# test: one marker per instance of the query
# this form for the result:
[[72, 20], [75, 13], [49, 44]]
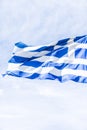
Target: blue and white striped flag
[[63, 60]]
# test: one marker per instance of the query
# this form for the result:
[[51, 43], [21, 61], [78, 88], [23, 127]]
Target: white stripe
[[31, 54], [51, 70], [84, 46], [71, 48], [17, 49], [61, 60], [74, 72], [38, 70]]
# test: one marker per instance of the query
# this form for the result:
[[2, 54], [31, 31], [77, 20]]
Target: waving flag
[[63, 60]]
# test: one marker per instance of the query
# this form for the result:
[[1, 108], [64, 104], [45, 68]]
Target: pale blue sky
[[33, 104]]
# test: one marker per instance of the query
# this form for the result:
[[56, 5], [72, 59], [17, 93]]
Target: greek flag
[[60, 60]]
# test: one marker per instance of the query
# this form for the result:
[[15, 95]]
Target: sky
[[40, 104]]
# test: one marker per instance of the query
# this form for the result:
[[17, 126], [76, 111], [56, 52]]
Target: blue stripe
[[81, 53], [49, 48], [33, 76], [32, 63], [20, 45], [61, 66], [35, 63], [63, 42], [75, 78], [57, 53], [81, 39], [18, 59], [64, 78], [62, 51], [44, 48]]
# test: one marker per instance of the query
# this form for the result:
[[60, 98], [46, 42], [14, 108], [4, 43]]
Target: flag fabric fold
[[60, 60]]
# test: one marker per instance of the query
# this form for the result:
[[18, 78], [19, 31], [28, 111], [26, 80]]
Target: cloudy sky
[[40, 105]]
